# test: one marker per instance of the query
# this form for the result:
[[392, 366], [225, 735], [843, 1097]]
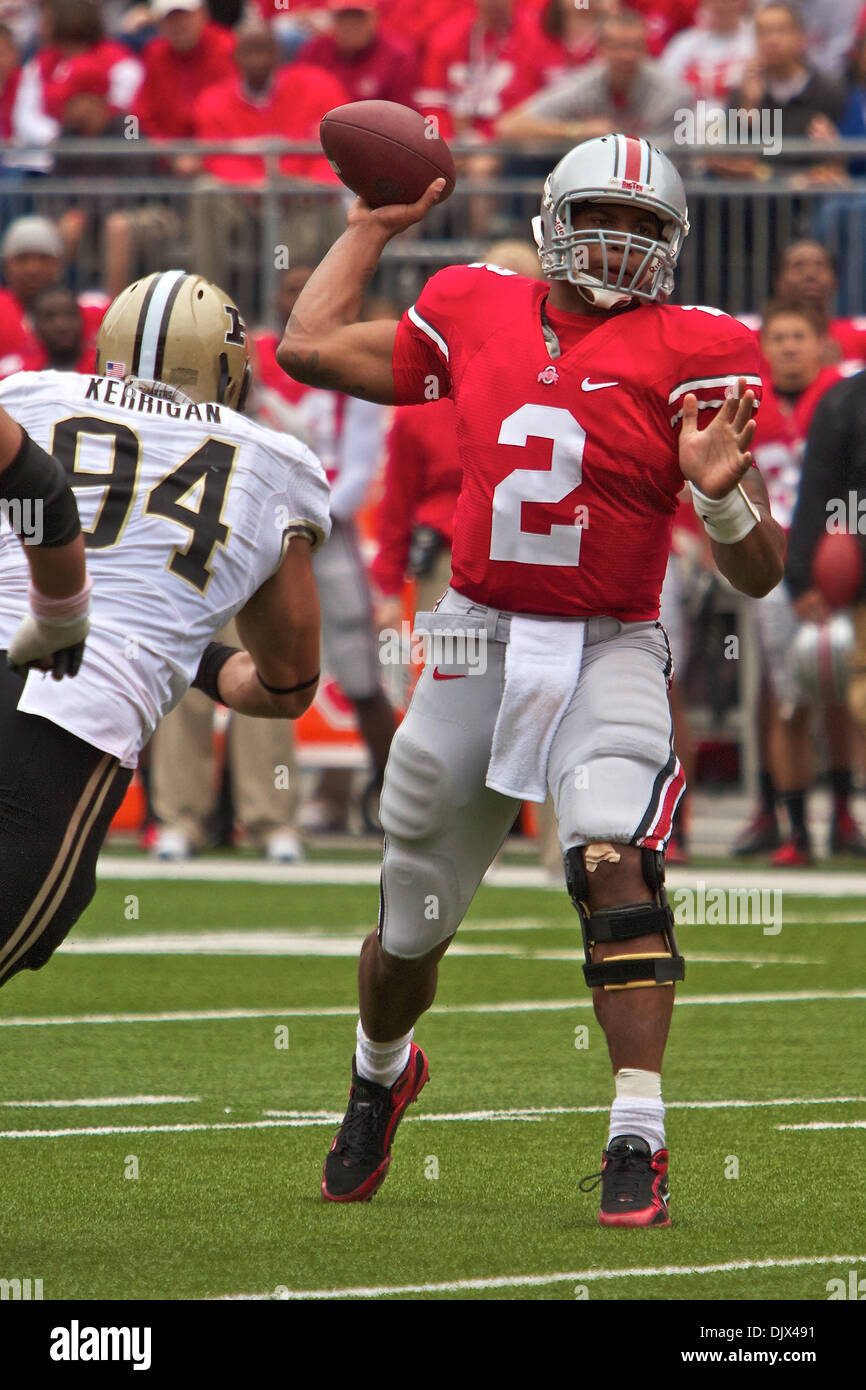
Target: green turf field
[[203, 1181]]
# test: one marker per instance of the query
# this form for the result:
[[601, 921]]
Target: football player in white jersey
[[191, 515]]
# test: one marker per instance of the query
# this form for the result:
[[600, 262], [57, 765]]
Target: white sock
[[381, 1062], [638, 1107]]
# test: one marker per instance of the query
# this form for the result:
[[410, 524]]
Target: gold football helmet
[[179, 329]]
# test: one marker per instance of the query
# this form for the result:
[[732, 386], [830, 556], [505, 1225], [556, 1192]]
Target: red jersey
[[781, 438], [292, 109], [470, 76], [320, 411], [8, 93], [570, 467], [423, 473], [38, 361], [664, 18], [173, 80], [108, 68], [417, 22], [386, 70]]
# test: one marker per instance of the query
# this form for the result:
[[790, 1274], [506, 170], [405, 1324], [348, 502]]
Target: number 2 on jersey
[[207, 472], [551, 485]]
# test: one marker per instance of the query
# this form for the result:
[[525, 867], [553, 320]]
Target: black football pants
[[58, 796]]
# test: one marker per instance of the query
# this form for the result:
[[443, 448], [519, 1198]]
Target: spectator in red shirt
[[573, 32], [664, 18], [32, 256], [58, 326], [265, 98], [370, 64], [480, 65], [79, 43], [416, 23], [10, 75], [74, 36], [189, 55]]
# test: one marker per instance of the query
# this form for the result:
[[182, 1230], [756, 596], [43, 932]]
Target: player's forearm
[[40, 508], [331, 300], [241, 689], [521, 125], [756, 564], [57, 571]]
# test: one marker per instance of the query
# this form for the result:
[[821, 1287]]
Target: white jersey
[[186, 511]]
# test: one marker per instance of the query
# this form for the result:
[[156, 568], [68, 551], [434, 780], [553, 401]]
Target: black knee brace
[[624, 922]]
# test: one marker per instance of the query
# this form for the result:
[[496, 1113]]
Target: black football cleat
[[634, 1184], [760, 836], [845, 836], [360, 1155]]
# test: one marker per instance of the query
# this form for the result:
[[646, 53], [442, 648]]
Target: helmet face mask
[[180, 331], [595, 172]]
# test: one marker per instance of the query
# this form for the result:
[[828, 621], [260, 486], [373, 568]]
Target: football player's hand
[[716, 458], [398, 216], [45, 646]]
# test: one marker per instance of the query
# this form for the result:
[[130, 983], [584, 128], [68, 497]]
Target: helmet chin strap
[[603, 299]]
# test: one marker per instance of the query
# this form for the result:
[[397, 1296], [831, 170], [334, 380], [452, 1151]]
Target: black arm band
[[288, 689], [36, 478], [214, 658]]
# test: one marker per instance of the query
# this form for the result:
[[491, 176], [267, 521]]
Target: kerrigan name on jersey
[[111, 391]]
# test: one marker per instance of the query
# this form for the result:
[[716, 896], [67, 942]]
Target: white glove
[[51, 637]]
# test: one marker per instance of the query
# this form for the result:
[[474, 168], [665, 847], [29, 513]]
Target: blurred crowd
[[487, 69], [507, 79]]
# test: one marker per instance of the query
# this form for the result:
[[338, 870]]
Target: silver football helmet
[[612, 169], [822, 660]]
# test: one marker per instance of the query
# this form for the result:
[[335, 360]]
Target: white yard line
[[802, 882], [543, 1111], [341, 1011], [99, 1101], [276, 941], [306, 1119], [579, 1276], [826, 1124]]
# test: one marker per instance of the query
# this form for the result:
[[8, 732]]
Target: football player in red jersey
[[577, 406]]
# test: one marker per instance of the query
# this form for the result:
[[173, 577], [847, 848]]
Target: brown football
[[385, 152]]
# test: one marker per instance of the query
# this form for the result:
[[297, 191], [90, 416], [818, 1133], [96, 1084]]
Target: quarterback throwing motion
[[582, 405]]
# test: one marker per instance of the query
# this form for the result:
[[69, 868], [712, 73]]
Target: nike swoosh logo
[[587, 385], [438, 676]]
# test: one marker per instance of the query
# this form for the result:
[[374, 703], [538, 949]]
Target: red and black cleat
[[634, 1184], [795, 853], [845, 836], [759, 837], [360, 1155]]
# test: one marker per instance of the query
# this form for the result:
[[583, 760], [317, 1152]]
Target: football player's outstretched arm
[[40, 507], [324, 344], [731, 499], [280, 628]]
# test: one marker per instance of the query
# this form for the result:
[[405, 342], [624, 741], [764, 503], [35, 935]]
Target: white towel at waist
[[542, 664]]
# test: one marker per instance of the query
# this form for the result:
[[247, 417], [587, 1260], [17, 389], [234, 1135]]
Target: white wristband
[[726, 519]]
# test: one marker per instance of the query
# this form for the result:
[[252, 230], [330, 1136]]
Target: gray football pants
[[612, 771]]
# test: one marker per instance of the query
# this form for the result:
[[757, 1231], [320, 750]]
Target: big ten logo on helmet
[[236, 332]]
